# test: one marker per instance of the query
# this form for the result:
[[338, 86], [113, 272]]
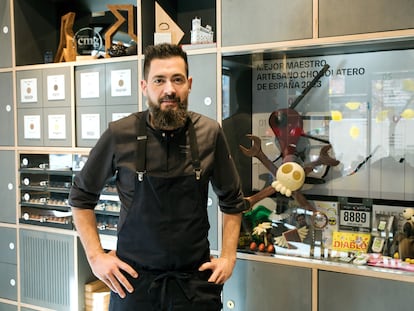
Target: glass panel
[[345, 117], [362, 104]]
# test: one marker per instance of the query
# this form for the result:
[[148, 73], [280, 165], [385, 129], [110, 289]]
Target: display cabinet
[[360, 106], [32, 48], [263, 76], [108, 209], [251, 68], [345, 119], [45, 181]]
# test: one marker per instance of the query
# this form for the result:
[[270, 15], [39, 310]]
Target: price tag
[[355, 217]]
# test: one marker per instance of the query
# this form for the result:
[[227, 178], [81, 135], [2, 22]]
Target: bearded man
[[163, 160]]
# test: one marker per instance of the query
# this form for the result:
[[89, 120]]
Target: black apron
[[164, 236]]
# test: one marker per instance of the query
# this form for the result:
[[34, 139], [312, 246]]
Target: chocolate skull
[[290, 176]]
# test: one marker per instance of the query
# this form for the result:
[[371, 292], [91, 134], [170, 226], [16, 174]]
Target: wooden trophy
[[115, 8], [66, 51]]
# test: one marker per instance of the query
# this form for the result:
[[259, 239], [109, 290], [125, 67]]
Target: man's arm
[[223, 266], [106, 266], [231, 234]]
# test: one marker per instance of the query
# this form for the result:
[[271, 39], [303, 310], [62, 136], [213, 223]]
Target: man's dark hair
[[162, 51]]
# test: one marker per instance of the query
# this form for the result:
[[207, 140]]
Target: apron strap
[[142, 137], [140, 164], [194, 150]]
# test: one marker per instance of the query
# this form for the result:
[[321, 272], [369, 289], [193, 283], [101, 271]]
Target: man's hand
[[222, 269], [107, 267]]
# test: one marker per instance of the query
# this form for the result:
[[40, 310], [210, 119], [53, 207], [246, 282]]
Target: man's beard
[[168, 119]]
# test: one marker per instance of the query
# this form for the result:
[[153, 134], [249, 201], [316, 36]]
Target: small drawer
[[7, 307], [8, 246], [8, 281]]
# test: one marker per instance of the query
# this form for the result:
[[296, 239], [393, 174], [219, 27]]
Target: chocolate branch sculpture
[[287, 125]]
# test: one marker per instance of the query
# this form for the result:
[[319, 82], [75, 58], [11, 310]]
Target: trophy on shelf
[[66, 51], [166, 30], [98, 38]]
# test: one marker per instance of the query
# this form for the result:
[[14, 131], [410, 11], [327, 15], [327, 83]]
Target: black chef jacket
[[167, 155]]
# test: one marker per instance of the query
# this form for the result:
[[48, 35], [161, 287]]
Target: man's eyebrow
[[176, 75], [158, 76], [181, 75]]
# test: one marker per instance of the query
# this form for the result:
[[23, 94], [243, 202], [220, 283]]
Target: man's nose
[[169, 88]]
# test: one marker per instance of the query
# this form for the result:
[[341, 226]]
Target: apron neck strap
[[140, 157], [194, 149]]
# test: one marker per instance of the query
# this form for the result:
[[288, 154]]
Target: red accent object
[[287, 125]]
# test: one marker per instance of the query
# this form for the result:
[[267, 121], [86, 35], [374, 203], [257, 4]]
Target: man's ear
[[144, 87], [190, 82]]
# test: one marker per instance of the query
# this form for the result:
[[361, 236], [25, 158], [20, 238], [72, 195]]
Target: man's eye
[[158, 81], [179, 80]]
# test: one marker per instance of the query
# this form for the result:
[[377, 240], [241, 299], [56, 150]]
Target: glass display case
[[108, 209], [45, 181], [344, 115]]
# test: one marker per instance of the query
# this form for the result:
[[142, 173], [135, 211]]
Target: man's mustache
[[170, 98]]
